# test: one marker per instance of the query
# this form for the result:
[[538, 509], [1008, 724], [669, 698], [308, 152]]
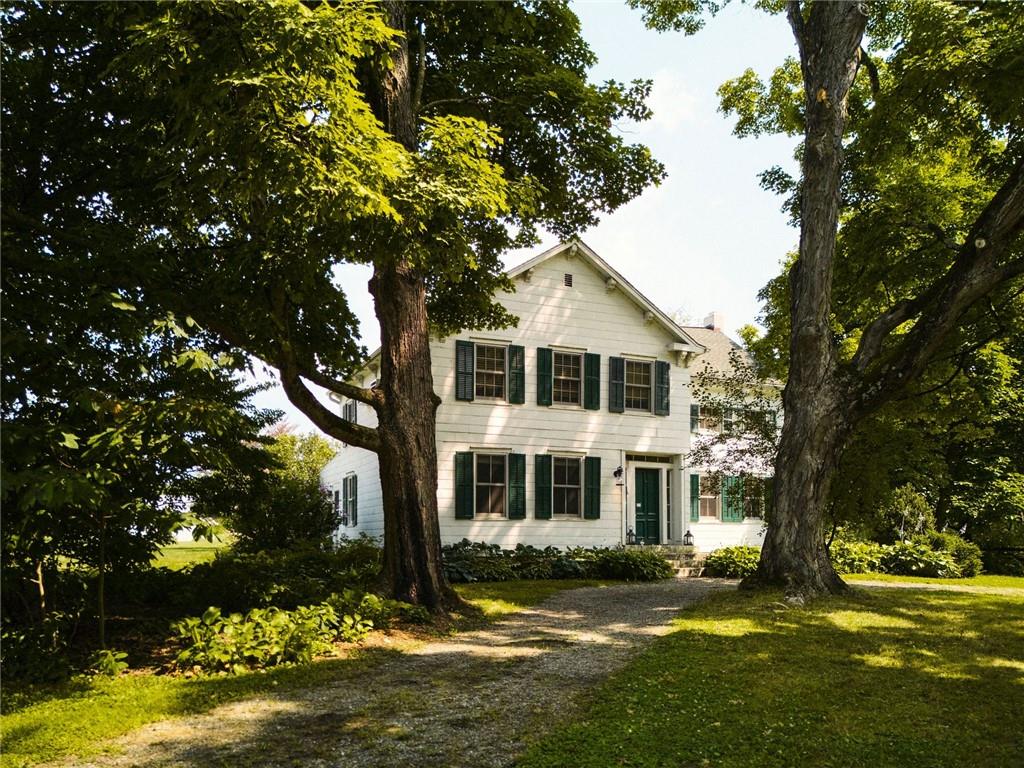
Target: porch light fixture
[[630, 536], [688, 539], [617, 474]]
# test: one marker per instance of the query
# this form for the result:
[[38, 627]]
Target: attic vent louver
[[568, 280]]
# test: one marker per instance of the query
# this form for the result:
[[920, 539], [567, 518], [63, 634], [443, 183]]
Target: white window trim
[[649, 362], [477, 515], [582, 379], [579, 457], [476, 349]]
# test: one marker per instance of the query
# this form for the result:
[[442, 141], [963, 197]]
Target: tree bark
[[407, 418], [816, 427]]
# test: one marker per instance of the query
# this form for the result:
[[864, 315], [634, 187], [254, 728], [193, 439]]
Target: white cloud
[[671, 101]]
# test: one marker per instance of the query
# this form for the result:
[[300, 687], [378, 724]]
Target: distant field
[[978, 581], [182, 553]]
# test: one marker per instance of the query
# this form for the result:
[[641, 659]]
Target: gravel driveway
[[474, 700]]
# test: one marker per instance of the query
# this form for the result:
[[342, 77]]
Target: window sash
[[566, 486], [638, 385], [568, 378], [710, 498], [710, 419], [491, 369], [490, 488]]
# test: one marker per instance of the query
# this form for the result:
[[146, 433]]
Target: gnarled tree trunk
[[816, 424]]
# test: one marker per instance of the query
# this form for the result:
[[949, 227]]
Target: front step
[[689, 573]]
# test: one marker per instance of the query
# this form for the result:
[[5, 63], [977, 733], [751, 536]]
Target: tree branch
[[975, 272], [421, 69], [323, 417], [869, 65]]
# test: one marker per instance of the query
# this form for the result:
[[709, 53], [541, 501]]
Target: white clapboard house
[[571, 429]]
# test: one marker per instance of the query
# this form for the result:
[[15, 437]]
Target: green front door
[[648, 505]]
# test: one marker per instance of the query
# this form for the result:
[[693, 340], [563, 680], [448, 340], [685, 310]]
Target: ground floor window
[[349, 500], [491, 482], [566, 486], [710, 500]]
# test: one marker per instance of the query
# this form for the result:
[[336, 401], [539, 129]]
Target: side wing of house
[[352, 477]]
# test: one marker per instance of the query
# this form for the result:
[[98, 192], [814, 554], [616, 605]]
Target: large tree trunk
[[407, 418], [408, 454], [816, 421]]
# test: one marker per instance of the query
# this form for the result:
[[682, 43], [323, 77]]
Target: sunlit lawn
[[985, 580], [881, 678], [181, 553], [77, 718]]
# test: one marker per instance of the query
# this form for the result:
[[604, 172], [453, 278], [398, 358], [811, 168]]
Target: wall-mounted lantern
[[630, 536], [618, 474]]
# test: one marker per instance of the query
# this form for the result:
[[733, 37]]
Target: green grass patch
[[496, 598], [878, 678], [1015, 582], [181, 553], [79, 718]]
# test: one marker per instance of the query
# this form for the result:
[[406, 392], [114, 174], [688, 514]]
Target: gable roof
[[685, 342], [719, 348]]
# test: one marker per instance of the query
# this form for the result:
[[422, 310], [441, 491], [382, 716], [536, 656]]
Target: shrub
[[732, 562], [910, 559], [966, 554], [907, 513], [263, 637], [37, 653], [469, 561], [855, 556], [110, 663], [630, 564]]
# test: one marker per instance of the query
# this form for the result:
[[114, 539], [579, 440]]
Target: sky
[[708, 238]]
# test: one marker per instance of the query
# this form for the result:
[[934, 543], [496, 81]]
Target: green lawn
[[880, 678], [181, 553], [1015, 582], [78, 718]]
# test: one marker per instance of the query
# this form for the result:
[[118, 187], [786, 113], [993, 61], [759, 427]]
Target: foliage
[[851, 556], [966, 554], [263, 637], [36, 653], [909, 559], [276, 509], [108, 662], [812, 681], [468, 561], [905, 515], [732, 562]]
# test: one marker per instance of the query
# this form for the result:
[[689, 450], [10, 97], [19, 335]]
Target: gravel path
[[475, 700]]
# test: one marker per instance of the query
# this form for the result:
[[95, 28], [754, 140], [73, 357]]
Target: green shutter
[[616, 384], [542, 485], [464, 361], [694, 417], [769, 497], [516, 375], [591, 382], [544, 374], [662, 375], [732, 499], [694, 498], [464, 485], [354, 512], [592, 488], [516, 486]]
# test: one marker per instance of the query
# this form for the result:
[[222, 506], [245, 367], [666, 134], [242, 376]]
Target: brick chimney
[[715, 321]]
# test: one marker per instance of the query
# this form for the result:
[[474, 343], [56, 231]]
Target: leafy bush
[[109, 663], [732, 562], [910, 559], [855, 556], [36, 653], [263, 637], [966, 554], [907, 513], [476, 561]]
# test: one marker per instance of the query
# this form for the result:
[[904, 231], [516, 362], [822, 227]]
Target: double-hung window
[[710, 419], [568, 378], [349, 501], [349, 411], [709, 497], [490, 371], [490, 484], [566, 488], [638, 385]]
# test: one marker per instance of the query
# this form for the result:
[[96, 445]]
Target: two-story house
[[571, 429]]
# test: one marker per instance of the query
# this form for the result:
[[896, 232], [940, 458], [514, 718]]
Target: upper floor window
[[565, 490], [490, 371], [638, 385], [491, 477], [568, 378], [349, 411]]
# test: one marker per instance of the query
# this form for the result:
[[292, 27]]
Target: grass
[[181, 553], [1016, 582], [80, 717], [883, 677]]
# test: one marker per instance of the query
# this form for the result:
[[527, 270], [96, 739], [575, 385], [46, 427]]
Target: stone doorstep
[[689, 573]]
